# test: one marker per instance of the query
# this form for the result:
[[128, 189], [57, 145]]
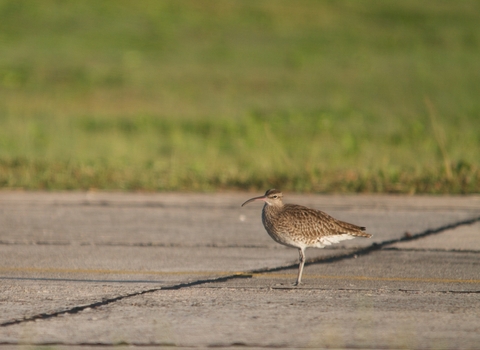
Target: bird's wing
[[316, 223]]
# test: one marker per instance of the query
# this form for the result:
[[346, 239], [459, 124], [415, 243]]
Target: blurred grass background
[[321, 96]]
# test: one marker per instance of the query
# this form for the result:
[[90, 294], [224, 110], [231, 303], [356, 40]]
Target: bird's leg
[[301, 253]]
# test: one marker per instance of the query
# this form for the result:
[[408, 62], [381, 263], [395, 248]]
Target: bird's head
[[271, 197]]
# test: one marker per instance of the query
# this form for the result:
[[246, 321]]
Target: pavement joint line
[[223, 345], [52, 279], [138, 244], [369, 278], [309, 288], [363, 251], [114, 272], [119, 203], [436, 250], [235, 345], [95, 344], [221, 274]]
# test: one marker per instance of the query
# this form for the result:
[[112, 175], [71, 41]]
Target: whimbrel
[[301, 227]]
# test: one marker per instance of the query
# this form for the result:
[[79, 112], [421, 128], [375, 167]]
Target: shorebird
[[301, 227]]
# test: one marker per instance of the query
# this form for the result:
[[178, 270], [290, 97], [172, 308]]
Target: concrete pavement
[[196, 270]]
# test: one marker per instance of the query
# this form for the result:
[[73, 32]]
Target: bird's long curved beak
[[262, 198]]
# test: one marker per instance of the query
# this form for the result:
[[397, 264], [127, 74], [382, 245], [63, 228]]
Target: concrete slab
[[267, 318], [93, 270]]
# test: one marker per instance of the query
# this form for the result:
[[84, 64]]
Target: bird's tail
[[354, 230], [361, 234]]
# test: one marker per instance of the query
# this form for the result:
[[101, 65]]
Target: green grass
[[324, 96]]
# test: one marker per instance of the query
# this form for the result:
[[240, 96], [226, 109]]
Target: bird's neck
[[270, 213], [271, 210]]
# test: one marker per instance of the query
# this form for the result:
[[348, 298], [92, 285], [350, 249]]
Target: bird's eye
[[275, 197]]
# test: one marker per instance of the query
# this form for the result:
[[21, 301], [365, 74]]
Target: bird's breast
[[276, 228]]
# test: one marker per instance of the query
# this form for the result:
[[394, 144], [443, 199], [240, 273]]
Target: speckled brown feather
[[295, 225], [308, 223]]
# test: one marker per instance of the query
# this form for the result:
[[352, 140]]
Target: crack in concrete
[[363, 251], [106, 301]]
